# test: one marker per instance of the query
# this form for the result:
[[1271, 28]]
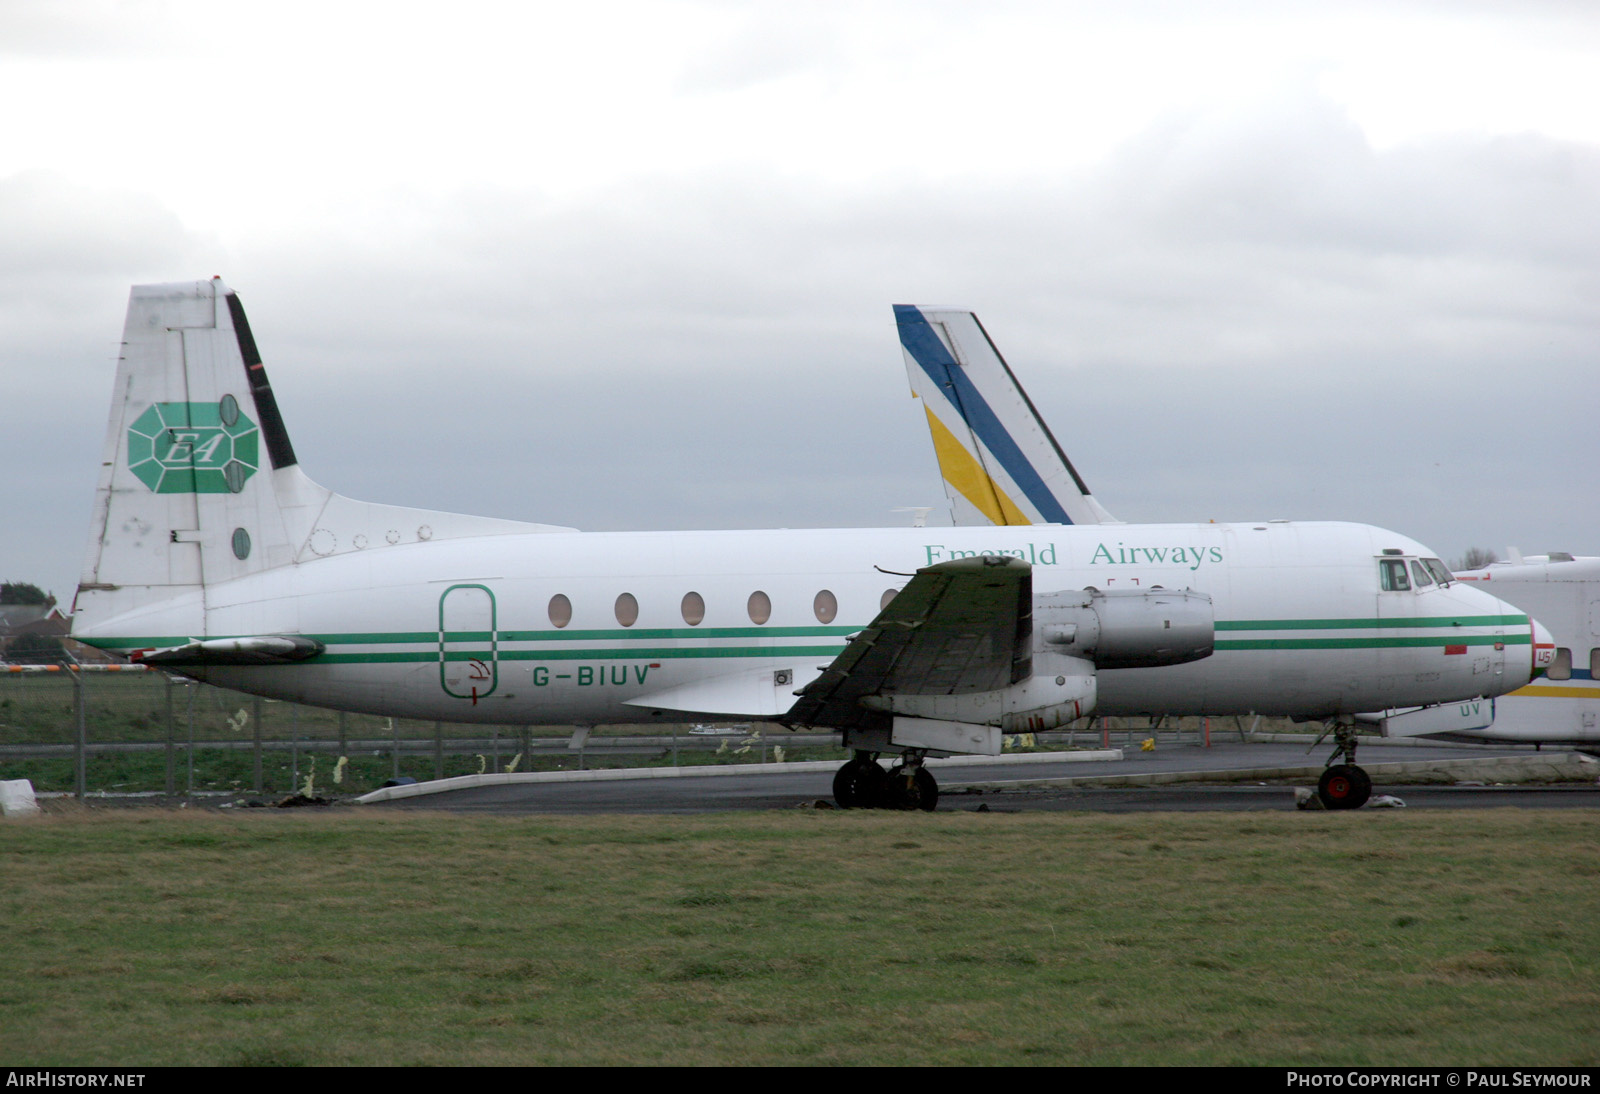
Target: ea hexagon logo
[[194, 448]]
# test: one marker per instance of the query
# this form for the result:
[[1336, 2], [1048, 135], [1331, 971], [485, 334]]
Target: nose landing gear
[[1343, 785]]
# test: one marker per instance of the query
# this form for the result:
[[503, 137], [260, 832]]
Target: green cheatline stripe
[[1370, 643], [578, 655], [403, 638], [677, 632], [612, 635], [399, 638], [1373, 624], [670, 653]]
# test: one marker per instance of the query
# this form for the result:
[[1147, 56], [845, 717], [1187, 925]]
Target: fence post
[[172, 742], [438, 750], [191, 687], [81, 715], [255, 717]]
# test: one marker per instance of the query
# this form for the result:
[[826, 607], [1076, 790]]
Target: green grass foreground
[[142, 937]]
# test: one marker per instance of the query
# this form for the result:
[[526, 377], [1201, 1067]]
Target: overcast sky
[[630, 265]]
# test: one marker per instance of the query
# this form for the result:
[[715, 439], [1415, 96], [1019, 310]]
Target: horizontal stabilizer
[[269, 649]]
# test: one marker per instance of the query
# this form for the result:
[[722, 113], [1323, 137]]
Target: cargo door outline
[[469, 642]]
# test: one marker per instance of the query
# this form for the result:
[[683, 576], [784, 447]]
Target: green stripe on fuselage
[[606, 653], [1420, 641], [565, 652], [1371, 624]]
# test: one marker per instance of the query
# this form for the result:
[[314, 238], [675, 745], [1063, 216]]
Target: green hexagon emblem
[[194, 448]]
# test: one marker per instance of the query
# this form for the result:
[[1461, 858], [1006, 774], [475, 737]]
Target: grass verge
[[367, 937]]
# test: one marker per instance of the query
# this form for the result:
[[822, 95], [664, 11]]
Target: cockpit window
[[1441, 573], [1392, 572], [1420, 572]]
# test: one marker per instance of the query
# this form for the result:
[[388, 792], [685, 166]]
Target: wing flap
[[755, 693], [956, 628]]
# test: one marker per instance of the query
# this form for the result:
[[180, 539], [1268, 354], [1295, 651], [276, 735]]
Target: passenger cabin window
[[627, 610], [1420, 572], [694, 609], [560, 610], [1561, 667], [1393, 574], [826, 606], [760, 607], [888, 595]]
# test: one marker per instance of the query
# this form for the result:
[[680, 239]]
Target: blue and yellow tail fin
[[999, 461]]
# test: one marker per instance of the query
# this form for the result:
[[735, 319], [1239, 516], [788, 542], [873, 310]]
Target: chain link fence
[[83, 731]]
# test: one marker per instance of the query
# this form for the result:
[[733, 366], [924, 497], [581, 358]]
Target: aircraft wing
[[999, 461], [956, 628]]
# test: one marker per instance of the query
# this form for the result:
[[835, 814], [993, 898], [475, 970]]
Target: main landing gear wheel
[[859, 783], [1344, 786], [910, 788]]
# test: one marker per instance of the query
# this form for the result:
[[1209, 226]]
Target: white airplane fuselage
[[463, 629]]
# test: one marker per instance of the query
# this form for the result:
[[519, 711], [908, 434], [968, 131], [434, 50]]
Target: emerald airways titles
[[1188, 556]]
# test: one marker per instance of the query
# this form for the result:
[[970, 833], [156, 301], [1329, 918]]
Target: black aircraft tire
[[858, 784], [1344, 786], [919, 790]]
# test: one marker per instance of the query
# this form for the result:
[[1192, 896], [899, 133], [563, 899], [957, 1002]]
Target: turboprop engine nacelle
[[1123, 628]]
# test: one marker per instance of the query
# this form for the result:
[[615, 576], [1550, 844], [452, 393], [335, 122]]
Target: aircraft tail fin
[[1000, 463], [199, 483]]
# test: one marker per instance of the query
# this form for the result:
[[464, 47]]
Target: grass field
[[363, 937]]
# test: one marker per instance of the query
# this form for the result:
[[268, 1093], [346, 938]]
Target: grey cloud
[[1234, 318]]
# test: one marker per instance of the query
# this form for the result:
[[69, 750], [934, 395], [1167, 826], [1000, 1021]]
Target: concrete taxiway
[[1225, 775]]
